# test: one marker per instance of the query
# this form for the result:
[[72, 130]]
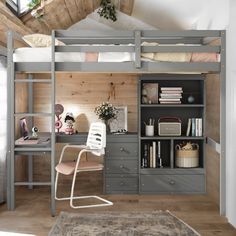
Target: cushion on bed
[[40, 40], [205, 57], [173, 57], [149, 55]]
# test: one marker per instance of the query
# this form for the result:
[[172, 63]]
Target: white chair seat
[[68, 168]]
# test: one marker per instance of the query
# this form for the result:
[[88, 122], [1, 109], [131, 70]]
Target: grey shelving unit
[[171, 179]]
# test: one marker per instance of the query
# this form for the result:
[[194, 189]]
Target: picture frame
[[120, 124], [150, 93]]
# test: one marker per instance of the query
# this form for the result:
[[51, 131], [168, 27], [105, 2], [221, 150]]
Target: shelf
[[172, 105], [34, 148], [171, 138]]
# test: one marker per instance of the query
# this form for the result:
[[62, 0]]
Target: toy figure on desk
[[69, 120]]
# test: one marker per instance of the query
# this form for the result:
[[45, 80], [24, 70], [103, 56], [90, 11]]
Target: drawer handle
[[122, 149], [121, 166], [122, 183], [171, 182]]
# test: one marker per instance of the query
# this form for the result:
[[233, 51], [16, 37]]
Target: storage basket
[[187, 158]]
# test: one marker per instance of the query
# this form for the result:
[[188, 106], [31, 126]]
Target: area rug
[[160, 223]]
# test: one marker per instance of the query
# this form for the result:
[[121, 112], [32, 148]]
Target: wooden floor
[[32, 215]]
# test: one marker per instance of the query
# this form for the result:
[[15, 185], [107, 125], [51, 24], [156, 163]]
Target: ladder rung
[[32, 183], [33, 149], [33, 80], [32, 114]]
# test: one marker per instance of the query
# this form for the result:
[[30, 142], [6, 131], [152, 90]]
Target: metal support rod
[[30, 123], [137, 37], [223, 125], [53, 207]]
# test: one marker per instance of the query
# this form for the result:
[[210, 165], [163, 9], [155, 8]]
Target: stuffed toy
[[69, 120]]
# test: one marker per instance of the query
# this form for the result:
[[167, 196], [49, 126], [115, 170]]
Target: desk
[[120, 163]]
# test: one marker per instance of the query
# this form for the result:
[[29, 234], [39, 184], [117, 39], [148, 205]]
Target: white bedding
[[44, 55]]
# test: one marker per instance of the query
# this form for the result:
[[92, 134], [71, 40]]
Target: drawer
[[172, 183], [122, 150], [121, 166], [125, 184]]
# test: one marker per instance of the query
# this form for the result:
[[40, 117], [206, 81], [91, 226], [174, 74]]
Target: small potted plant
[[106, 112]]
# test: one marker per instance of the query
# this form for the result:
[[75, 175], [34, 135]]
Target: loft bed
[[132, 48], [128, 47]]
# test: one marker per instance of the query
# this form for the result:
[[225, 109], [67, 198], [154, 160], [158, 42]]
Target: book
[[150, 93], [169, 99], [179, 102], [151, 157], [174, 95], [193, 127], [159, 160], [21, 141], [189, 127], [171, 88], [172, 91], [197, 127], [200, 127], [154, 153]]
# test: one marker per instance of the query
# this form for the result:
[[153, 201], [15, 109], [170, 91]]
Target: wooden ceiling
[[58, 14], [61, 14]]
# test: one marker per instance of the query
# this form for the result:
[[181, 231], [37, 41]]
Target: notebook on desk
[[22, 141]]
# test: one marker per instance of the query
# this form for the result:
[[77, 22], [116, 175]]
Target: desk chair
[[96, 143]]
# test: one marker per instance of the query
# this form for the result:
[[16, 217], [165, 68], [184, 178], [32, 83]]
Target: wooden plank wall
[[80, 93], [61, 14], [213, 131]]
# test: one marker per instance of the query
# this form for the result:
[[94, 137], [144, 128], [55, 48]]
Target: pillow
[[149, 55], [40, 40]]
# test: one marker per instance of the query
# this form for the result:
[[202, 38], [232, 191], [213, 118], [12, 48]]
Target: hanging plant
[[107, 10], [33, 3]]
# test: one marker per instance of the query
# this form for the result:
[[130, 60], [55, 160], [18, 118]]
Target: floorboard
[[32, 215]]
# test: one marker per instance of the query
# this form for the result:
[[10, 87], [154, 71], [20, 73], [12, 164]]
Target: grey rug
[[159, 223]]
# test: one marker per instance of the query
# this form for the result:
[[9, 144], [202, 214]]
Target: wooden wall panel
[[81, 93], [213, 131]]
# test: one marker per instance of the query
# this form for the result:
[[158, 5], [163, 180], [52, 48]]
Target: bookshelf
[[169, 178]]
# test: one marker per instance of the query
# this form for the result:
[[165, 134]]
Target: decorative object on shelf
[[59, 109], [106, 112], [107, 10], [191, 99], [69, 120], [35, 131], [120, 124], [149, 128], [150, 93], [169, 126], [187, 155]]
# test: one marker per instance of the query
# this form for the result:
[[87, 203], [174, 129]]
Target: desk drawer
[[172, 183], [125, 184], [122, 150], [121, 166]]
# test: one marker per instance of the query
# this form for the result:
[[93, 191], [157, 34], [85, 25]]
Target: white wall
[[183, 14], [231, 116]]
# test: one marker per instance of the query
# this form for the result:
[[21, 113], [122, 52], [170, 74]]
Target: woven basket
[[187, 158]]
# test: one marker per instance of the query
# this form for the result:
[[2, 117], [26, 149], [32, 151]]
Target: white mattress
[[44, 55]]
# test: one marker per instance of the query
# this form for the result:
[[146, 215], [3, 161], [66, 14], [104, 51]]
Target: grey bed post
[[30, 110], [53, 207], [10, 123], [137, 40], [223, 125]]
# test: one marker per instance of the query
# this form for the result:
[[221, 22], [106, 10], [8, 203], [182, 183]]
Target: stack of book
[[170, 95], [151, 157], [194, 127]]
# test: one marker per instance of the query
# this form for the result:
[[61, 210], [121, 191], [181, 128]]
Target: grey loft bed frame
[[112, 39]]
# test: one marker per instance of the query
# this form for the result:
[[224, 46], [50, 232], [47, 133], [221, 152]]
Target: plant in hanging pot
[[107, 10], [106, 112]]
